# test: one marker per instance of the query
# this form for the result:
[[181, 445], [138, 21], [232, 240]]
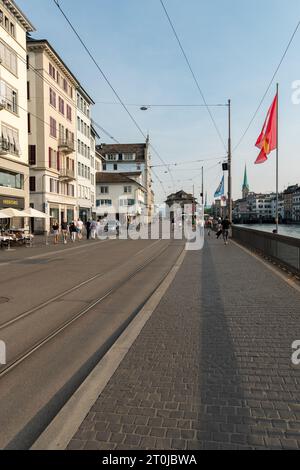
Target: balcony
[[8, 148], [66, 146], [66, 175]]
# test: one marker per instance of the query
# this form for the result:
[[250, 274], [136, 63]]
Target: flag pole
[[277, 160]]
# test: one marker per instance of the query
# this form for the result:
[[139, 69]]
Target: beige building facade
[[52, 122], [14, 169]]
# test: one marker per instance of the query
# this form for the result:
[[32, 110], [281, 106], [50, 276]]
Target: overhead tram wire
[[53, 86], [269, 86], [193, 75], [56, 2]]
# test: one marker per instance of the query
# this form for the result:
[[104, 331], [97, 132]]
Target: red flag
[[267, 141]]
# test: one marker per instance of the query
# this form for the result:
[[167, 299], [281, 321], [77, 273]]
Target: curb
[[63, 427]]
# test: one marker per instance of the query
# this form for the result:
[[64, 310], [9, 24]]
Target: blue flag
[[221, 189]]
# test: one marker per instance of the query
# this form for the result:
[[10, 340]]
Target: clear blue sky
[[234, 47]]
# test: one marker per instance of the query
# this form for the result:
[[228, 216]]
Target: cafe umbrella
[[9, 213], [33, 214]]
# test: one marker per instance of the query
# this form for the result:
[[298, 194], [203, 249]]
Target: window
[[32, 154], [103, 202], [65, 85], [12, 29], [28, 90], [111, 157], [8, 179], [9, 97], [104, 189], [32, 184], [129, 157], [8, 58], [69, 113], [52, 71], [29, 123], [61, 105], [52, 98], [127, 189], [53, 130], [115, 167], [10, 137], [52, 159]]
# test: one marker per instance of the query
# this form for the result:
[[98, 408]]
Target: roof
[[45, 44], [52, 52], [17, 12], [115, 178], [138, 149]]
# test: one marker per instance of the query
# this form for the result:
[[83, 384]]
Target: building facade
[[52, 122], [129, 159], [121, 195], [288, 198], [14, 168], [85, 156]]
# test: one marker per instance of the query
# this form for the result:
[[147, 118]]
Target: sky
[[234, 48]]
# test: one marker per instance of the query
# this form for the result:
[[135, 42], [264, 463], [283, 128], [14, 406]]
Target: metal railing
[[281, 249], [66, 145], [66, 173], [6, 147]]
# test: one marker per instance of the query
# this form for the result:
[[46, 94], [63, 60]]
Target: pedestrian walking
[[88, 229], [73, 231], [64, 231], [226, 224], [93, 229], [55, 229], [79, 225]]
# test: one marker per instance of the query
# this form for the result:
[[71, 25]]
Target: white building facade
[[14, 168], [131, 160], [86, 148], [119, 195]]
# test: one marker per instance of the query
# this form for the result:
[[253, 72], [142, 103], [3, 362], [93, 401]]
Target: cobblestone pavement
[[212, 367]]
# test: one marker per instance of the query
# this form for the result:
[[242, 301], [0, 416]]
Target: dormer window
[[112, 157], [129, 157]]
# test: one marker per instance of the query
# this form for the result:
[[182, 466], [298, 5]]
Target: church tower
[[246, 188]]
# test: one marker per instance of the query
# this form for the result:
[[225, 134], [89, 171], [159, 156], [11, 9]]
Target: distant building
[[120, 194], [181, 198], [288, 197], [296, 206], [128, 159], [245, 189]]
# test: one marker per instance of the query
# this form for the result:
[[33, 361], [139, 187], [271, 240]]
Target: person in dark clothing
[[88, 229], [226, 224]]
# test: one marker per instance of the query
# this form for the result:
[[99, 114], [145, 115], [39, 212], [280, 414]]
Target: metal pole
[[229, 164], [277, 160], [203, 186]]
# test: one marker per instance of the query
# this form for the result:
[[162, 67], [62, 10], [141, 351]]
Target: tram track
[[66, 324]]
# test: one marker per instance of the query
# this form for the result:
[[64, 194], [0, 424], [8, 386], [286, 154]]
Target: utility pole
[[202, 186], [229, 164]]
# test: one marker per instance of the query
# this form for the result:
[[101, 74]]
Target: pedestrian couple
[[91, 229]]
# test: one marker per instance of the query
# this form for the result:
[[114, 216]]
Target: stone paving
[[212, 367]]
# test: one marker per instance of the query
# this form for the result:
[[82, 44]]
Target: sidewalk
[[212, 367]]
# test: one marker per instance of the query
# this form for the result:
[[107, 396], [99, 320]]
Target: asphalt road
[[61, 308]]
